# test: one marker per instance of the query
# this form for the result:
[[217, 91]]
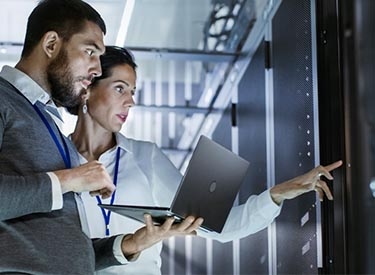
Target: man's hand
[[151, 234], [305, 183], [91, 176]]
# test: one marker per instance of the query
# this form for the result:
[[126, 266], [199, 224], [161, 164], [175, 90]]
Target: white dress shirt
[[147, 177]]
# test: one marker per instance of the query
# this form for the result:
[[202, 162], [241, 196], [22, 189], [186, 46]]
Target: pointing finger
[[333, 166], [326, 169]]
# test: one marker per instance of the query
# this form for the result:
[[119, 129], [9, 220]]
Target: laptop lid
[[208, 188], [210, 184]]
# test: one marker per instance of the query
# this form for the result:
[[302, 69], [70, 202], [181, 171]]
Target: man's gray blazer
[[34, 239]]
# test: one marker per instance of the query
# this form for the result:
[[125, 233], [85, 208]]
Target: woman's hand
[[311, 181], [151, 234]]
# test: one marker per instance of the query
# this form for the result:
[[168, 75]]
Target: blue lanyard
[[107, 215], [64, 152]]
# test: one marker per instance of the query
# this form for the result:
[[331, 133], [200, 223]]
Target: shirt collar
[[28, 87], [123, 142]]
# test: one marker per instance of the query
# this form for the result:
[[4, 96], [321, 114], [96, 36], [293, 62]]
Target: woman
[[145, 176]]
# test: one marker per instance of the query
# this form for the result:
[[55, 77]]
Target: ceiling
[[186, 51]]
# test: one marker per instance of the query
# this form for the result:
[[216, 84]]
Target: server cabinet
[[276, 116], [346, 72], [298, 232], [281, 77]]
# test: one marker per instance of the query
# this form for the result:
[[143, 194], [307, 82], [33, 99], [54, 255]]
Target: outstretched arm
[[260, 210]]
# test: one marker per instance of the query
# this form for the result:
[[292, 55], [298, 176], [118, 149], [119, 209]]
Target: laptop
[[208, 189]]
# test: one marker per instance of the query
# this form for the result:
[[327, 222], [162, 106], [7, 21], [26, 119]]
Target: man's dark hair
[[113, 56], [66, 17]]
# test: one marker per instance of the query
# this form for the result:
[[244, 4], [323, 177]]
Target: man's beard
[[62, 83]]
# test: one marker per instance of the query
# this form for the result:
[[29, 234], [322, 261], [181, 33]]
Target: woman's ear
[[85, 95], [51, 43]]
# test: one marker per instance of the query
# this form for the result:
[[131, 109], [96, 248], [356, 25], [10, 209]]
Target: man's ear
[[51, 43]]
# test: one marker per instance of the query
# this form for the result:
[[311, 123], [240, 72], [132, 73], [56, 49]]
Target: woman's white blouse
[[147, 177]]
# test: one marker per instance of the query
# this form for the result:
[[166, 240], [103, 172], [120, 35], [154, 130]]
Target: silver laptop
[[208, 189]]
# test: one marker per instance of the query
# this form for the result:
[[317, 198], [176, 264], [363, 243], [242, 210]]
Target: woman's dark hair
[[66, 17], [113, 56]]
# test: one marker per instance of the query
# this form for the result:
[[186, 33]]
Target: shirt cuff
[[117, 251], [266, 203], [57, 198]]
